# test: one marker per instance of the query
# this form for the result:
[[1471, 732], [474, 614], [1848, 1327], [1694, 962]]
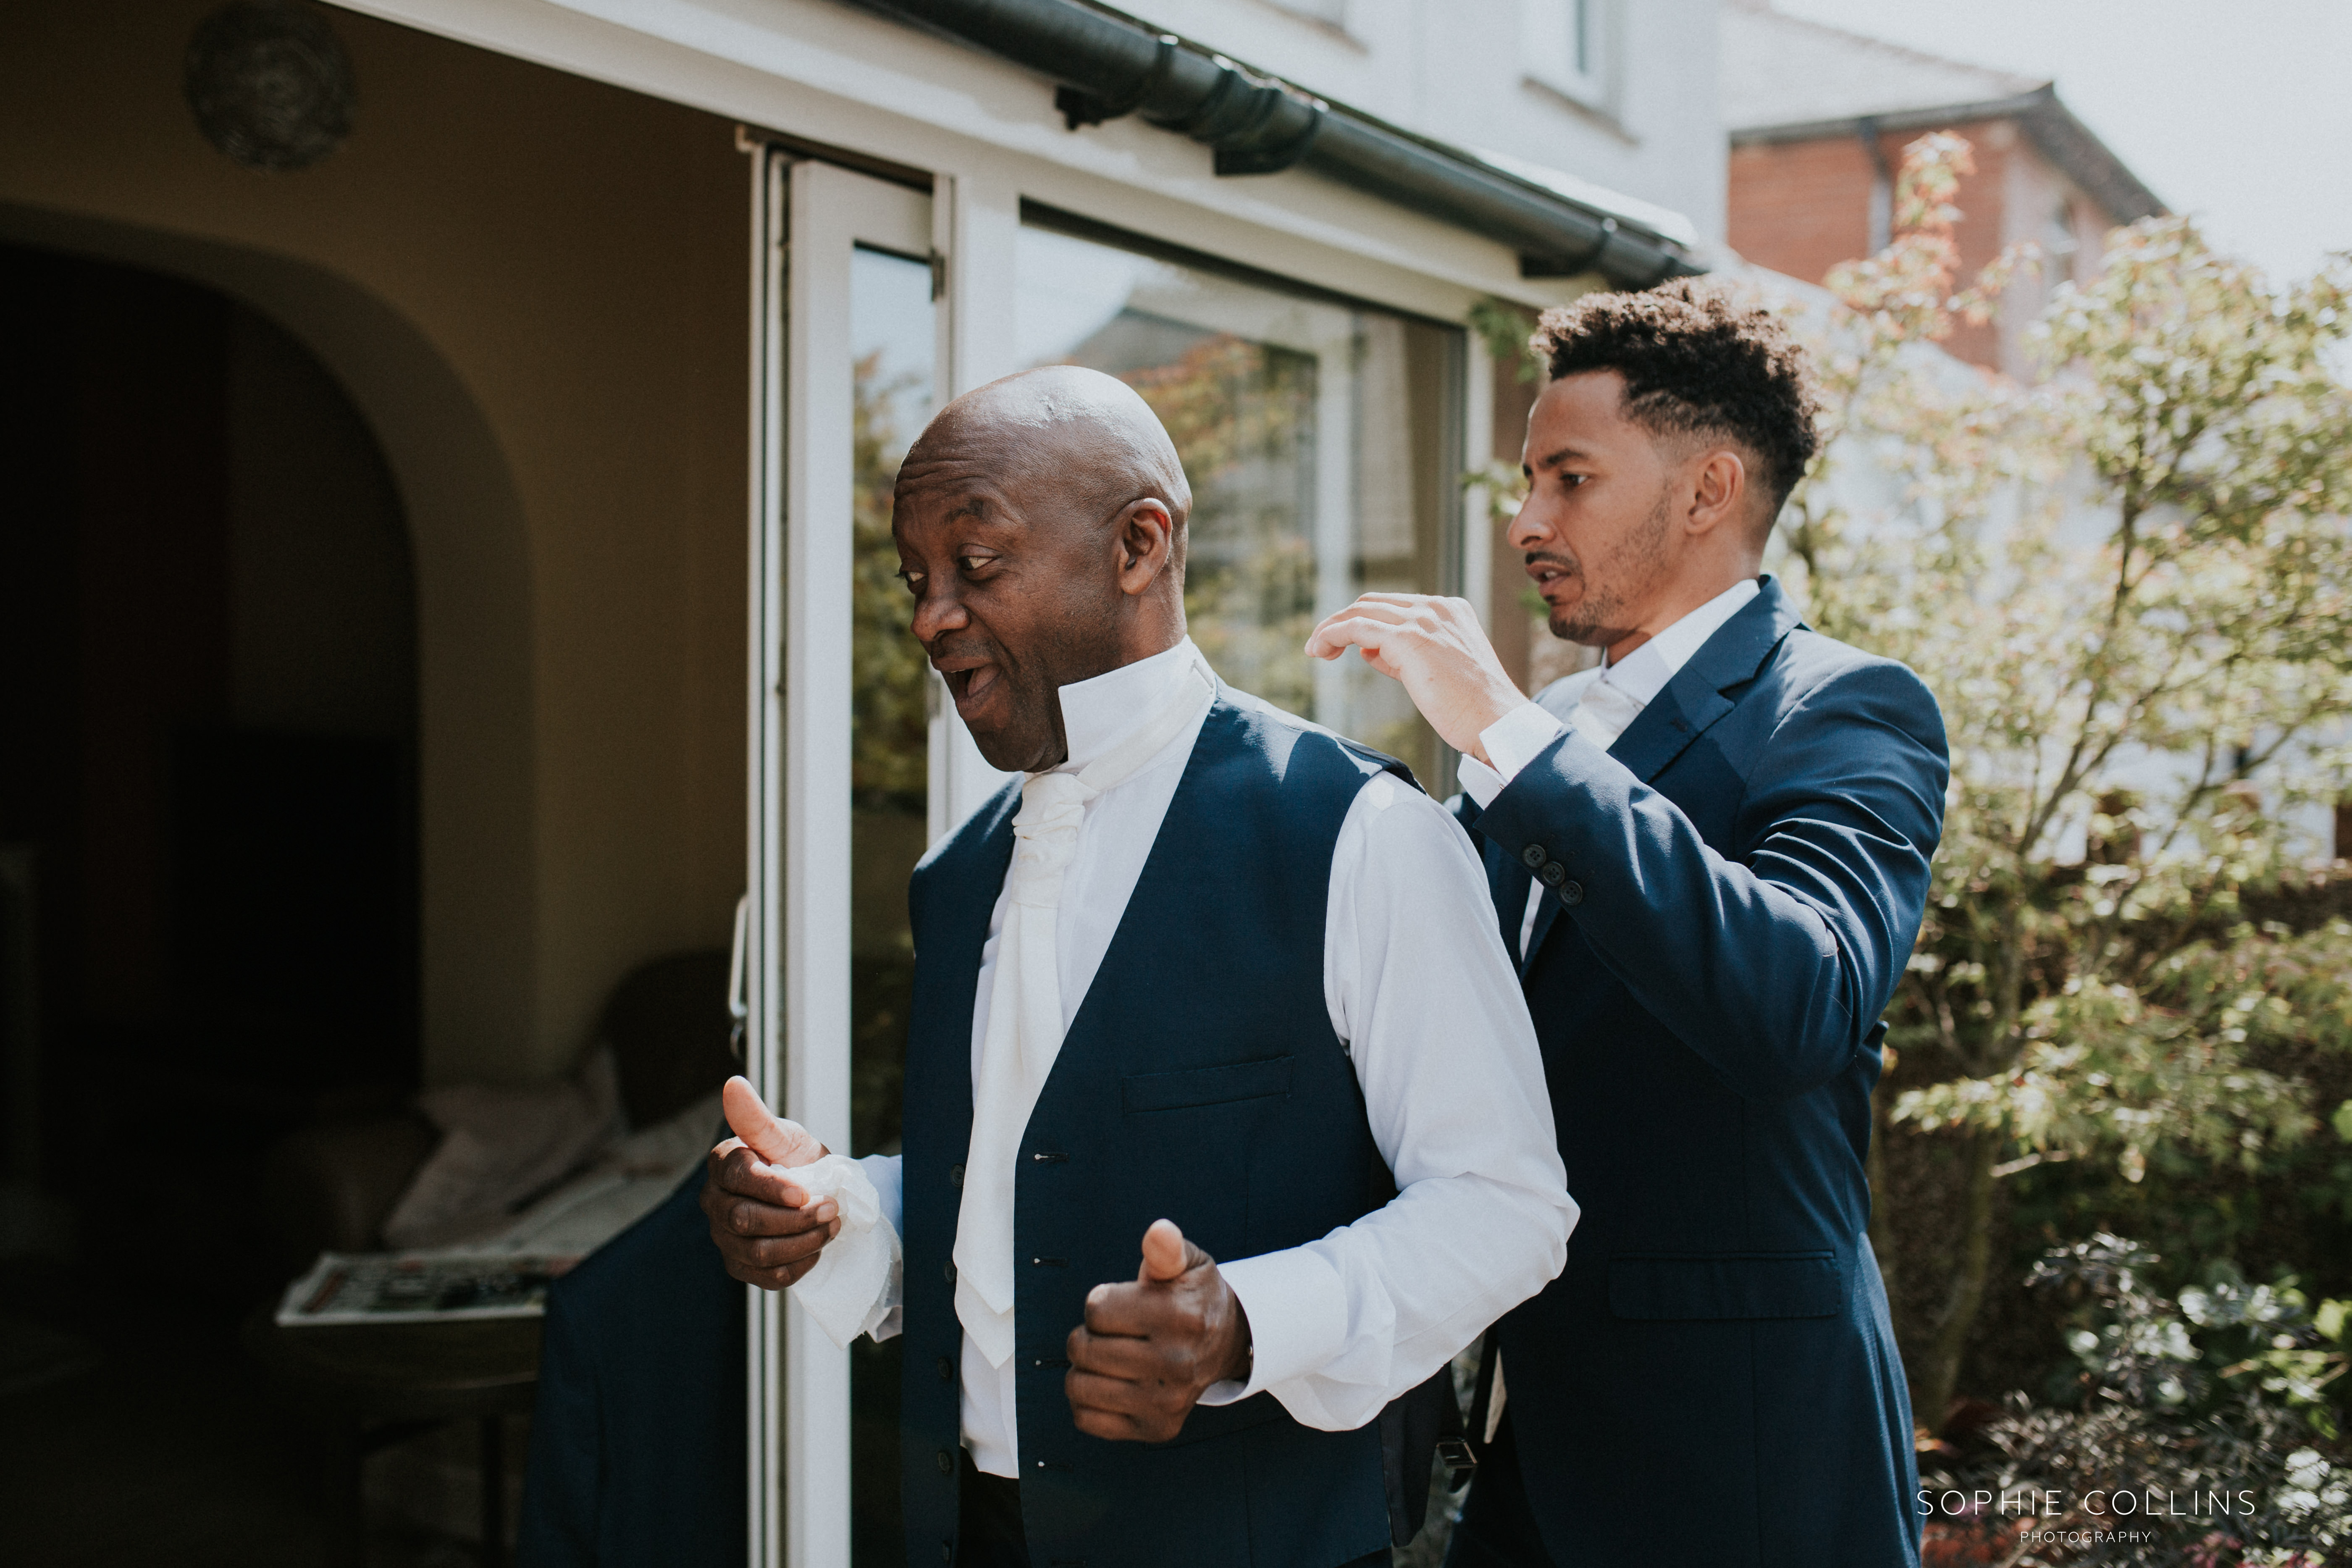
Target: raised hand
[[1149, 1351], [1437, 650], [763, 1224]]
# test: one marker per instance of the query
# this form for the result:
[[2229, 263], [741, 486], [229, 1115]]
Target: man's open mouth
[[970, 682], [1547, 572]]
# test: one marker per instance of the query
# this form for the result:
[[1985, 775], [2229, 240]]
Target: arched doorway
[[210, 684], [477, 770]]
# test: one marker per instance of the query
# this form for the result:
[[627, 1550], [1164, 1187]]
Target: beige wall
[[532, 286]]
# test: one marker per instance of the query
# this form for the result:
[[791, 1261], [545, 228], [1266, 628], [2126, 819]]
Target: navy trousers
[[988, 1524]]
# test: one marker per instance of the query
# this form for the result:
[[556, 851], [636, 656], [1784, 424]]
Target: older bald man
[[1209, 982]]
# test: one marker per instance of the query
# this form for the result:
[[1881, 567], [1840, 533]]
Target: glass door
[[1321, 436], [847, 334]]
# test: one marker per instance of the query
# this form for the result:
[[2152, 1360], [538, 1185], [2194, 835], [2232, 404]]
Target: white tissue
[[856, 1275]]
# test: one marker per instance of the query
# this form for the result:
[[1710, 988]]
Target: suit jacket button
[[1553, 874], [1571, 893], [955, 1176], [946, 1462], [1533, 856], [947, 1553], [948, 1269]]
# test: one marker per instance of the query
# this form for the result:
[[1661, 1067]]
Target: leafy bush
[[2129, 586], [2197, 1432]]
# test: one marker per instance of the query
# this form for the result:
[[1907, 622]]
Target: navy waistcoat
[[1201, 1081]]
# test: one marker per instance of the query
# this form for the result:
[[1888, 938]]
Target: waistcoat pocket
[[1709, 1286], [1265, 1078]]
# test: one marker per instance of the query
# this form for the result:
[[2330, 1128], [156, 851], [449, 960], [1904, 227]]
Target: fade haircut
[[1695, 363]]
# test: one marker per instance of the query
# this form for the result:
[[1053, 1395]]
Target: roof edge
[[2052, 128], [1109, 64]]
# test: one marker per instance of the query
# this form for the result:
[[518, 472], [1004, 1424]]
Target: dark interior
[[207, 808]]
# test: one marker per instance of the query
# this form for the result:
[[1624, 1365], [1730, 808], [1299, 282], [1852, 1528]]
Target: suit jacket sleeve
[[1774, 967]]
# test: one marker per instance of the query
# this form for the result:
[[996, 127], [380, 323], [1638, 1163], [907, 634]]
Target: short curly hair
[[1696, 362]]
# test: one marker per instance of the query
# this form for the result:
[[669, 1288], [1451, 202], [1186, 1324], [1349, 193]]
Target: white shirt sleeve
[[1512, 741], [887, 1320], [1419, 986]]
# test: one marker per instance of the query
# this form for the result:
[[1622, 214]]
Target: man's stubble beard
[[1638, 563], [1071, 650]]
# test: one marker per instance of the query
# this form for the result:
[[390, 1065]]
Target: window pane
[[892, 346], [1319, 439], [892, 353]]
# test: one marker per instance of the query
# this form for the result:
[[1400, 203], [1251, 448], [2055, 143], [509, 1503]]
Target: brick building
[[1818, 119]]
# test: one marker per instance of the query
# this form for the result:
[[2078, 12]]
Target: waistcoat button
[[948, 1269], [955, 1176], [946, 1462], [947, 1370]]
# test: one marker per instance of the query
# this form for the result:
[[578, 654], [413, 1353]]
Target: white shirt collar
[[1643, 673], [1098, 714]]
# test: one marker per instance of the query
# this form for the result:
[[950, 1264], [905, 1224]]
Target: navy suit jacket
[[637, 1441], [1734, 890]]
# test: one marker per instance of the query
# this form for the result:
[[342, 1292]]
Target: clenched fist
[[764, 1225], [1149, 1351]]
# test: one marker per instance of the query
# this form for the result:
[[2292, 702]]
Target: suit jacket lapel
[[1686, 708], [1695, 697]]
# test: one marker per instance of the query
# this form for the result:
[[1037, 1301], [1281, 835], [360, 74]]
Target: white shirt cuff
[[887, 1320], [1480, 783], [1517, 739], [888, 1174], [1297, 1315], [1511, 742]]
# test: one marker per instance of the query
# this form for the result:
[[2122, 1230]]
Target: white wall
[[1469, 72]]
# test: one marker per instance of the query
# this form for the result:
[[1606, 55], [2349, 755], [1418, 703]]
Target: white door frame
[[808, 216]]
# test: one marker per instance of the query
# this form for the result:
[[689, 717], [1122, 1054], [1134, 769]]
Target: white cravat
[[1025, 1020]]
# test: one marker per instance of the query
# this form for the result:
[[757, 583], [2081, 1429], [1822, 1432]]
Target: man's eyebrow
[[1566, 454]]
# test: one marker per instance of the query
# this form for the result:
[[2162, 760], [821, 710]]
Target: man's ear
[[1719, 492], [1147, 538]]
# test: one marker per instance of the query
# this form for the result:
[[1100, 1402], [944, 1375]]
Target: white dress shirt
[[1426, 1003], [1601, 704]]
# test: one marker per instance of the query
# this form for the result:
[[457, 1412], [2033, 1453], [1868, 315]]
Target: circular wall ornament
[[270, 84]]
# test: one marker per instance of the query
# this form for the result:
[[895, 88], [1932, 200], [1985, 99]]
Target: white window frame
[[1549, 48], [808, 218]]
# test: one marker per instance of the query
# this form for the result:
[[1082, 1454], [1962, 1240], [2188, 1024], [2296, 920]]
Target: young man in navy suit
[[1710, 856]]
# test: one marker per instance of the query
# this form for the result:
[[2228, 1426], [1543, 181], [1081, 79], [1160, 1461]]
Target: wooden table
[[370, 1385]]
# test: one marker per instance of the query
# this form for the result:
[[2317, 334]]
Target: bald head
[[1040, 524], [1065, 440]]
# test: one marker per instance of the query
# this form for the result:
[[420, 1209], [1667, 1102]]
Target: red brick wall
[[1801, 207], [1984, 220]]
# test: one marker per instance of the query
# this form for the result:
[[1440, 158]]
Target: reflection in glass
[[892, 347], [1318, 440]]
